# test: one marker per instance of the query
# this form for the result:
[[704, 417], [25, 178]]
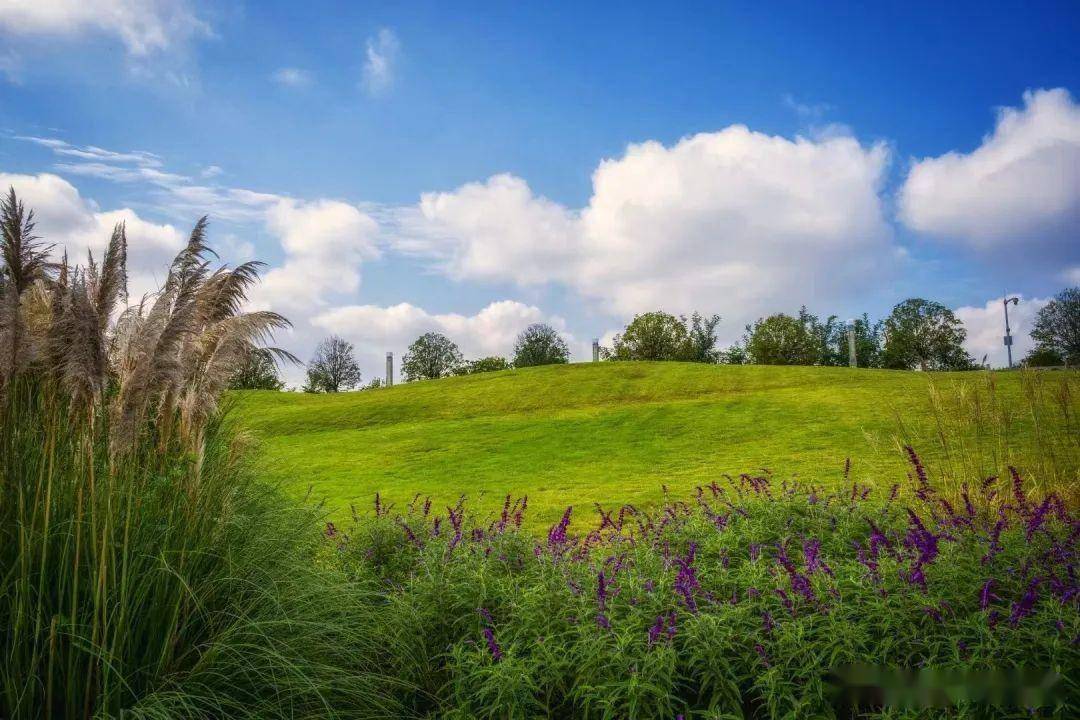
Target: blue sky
[[471, 168]]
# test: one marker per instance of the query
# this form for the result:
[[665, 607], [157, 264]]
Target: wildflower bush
[[739, 602]]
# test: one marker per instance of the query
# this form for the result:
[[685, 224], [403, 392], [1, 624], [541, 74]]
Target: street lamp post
[[1008, 330]]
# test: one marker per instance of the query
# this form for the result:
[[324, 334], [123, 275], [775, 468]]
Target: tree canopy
[[333, 367], [926, 335], [661, 336], [257, 371], [540, 344], [431, 356], [1057, 326]]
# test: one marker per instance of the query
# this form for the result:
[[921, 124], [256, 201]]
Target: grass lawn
[[611, 433]]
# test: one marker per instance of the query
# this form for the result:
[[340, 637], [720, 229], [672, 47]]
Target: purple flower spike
[[496, 651], [1027, 602], [986, 595]]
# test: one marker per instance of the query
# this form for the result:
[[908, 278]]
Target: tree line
[[917, 334]]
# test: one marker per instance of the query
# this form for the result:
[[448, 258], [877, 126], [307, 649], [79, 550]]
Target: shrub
[[493, 363], [739, 602]]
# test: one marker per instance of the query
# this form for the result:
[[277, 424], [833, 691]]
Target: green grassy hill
[[616, 432]]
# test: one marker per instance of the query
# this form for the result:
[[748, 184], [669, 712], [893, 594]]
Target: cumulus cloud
[[1019, 188], [69, 221], [985, 327], [325, 242], [380, 59], [734, 221], [143, 26], [375, 330]]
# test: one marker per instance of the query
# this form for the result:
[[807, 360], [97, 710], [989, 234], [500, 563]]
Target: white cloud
[[733, 221], [379, 61], [986, 329], [292, 77], [68, 221], [375, 330], [1019, 188], [143, 26], [325, 242]]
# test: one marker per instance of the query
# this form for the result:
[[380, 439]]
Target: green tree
[[926, 335], [700, 345], [333, 367], [540, 344], [1057, 325], [734, 355], [832, 337], [431, 356], [257, 371], [492, 363], [783, 340], [1042, 356]]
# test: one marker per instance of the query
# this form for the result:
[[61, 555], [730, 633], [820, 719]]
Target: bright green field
[[616, 432]]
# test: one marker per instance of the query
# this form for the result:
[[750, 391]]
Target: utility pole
[[389, 369], [596, 350], [1008, 331]]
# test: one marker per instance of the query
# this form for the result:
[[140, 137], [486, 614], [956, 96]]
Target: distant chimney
[[389, 369], [596, 350]]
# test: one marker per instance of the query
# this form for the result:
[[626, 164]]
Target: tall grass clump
[[750, 599], [143, 571], [976, 428]]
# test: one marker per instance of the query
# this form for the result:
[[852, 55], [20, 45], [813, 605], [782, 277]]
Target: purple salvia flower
[[331, 530], [760, 650], [686, 579], [601, 591], [602, 621], [427, 506], [924, 490], [496, 651], [986, 594], [378, 505], [1038, 516], [1018, 491], [786, 601], [557, 534], [812, 558], [934, 614], [767, 621], [1023, 608]]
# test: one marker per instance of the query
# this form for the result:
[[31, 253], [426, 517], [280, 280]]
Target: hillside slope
[[607, 433]]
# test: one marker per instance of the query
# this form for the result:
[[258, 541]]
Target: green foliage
[[661, 336], [1057, 325], [431, 356], [493, 363], [257, 372], [784, 340], [737, 604], [540, 344], [333, 367], [925, 335], [1043, 356], [734, 355]]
